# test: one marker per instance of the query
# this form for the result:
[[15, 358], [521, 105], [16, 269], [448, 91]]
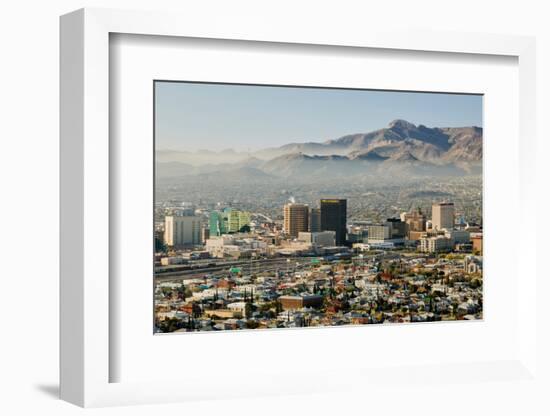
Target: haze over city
[[280, 207]]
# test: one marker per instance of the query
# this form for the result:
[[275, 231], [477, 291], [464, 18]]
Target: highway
[[222, 270]]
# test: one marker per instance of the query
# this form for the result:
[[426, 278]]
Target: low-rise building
[[299, 302], [435, 244], [234, 245], [392, 231], [458, 236], [168, 261], [319, 239], [379, 232], [477, 243]]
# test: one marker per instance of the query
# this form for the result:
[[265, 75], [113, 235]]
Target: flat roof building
[[319, 239], [296, 219], [334, 218], [477, 243], [314, 220], [415, 220], [299, 302], [436, 244], [443, 216], [182, 230]]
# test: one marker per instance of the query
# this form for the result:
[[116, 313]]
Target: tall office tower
[[334, 218], [415, 220], [296, 219], [182, 230], [314, 220], [218, 223], [443, 216]]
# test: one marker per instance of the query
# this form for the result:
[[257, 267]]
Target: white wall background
[[29, 57]]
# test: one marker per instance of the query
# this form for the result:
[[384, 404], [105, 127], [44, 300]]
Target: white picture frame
[[86, 355]]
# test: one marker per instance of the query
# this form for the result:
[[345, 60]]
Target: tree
[[248, 310], [170, 325], [181, 292], [252, 324], [475, 283]]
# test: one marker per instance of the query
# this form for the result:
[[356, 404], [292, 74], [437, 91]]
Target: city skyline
[[383, 226]]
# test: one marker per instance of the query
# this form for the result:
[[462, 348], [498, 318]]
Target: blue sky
[[191, 116]]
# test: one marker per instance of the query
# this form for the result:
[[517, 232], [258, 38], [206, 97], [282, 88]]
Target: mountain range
[[401, 148]]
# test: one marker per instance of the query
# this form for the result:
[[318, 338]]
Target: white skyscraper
[[443, 216], [182, 230]]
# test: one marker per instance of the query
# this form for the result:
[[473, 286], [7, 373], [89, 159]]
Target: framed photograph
[[292, 213]]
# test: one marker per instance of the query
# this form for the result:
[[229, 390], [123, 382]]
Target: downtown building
[[388, 235], [415, 220], [228, 221], [182, 230], [477, 243], [318, 239], [436, 244], [443, 216], [296, 219], [334, 218], [314, 220], [218, 223], [235, 246]]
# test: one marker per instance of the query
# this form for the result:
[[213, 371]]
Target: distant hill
[[401, 148], [438, 144]]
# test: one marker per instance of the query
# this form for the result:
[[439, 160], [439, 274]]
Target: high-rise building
[[228, 221], [415, 220], [443, 216], [334, 218], [218, 223], [296, 219], [314, 220], [182, 230]]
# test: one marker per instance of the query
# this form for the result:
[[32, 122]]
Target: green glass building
[[218, 223], [228, 221]]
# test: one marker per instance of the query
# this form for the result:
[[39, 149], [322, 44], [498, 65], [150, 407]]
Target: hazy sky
[[191, 116]]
